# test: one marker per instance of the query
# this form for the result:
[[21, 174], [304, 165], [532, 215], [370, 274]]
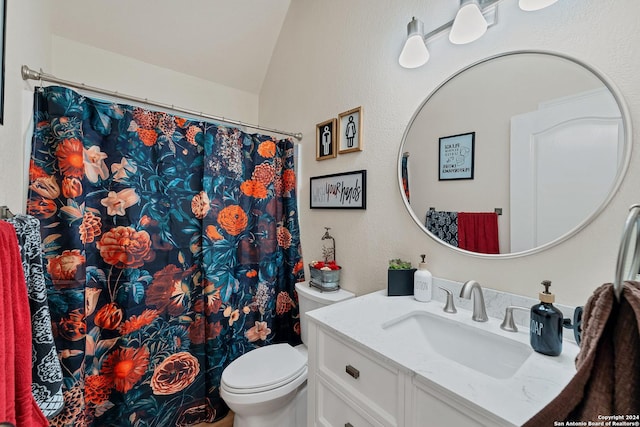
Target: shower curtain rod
[[29, 74]]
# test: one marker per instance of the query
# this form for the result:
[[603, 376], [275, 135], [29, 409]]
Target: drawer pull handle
[[353, 372], [348, 425]]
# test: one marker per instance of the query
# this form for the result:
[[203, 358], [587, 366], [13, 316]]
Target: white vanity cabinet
[[347, 387], [385, 361], [352, 387]]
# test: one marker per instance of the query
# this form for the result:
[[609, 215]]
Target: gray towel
[[47, 372], [443, 225]]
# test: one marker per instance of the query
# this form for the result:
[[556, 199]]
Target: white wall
[[27, 42], [100, 68], [335, 55]]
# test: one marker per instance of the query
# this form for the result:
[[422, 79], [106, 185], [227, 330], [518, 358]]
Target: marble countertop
[[360, 322]]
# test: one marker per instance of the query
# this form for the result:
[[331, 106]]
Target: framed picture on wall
[[350, 131], [3, 33], [456, 154], [346, 190], [326, 140]]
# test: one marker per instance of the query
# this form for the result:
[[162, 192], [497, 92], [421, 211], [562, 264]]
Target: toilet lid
[[264, 369]]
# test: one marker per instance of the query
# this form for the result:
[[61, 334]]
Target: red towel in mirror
[[478, 232]]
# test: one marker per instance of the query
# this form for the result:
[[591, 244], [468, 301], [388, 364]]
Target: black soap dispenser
[[546, 324]]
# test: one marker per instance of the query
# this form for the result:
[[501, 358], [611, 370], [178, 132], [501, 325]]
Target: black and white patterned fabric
[[443, 225], [47, 372]]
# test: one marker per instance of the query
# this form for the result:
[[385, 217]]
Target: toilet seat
[[280, 365]]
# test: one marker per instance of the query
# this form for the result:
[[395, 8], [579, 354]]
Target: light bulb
[[414, 53], [531, 5], [469, 24]]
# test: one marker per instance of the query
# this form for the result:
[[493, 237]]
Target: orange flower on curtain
[[125, 367], [65, 266], [70, 154], [125, 247], [175, 373], [233, 219]]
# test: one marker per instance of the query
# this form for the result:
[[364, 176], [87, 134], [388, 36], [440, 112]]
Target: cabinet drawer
[[370, 383], [430, 407], [338, 411]]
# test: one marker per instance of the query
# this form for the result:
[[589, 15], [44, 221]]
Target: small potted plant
[[400, 278], [325, 275]]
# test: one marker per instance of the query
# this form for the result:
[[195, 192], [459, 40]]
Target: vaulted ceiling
[[229, 42]]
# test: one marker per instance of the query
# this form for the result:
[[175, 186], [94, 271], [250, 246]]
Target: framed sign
[[339, 191], [326, 140], [350, 131], [456, 155]]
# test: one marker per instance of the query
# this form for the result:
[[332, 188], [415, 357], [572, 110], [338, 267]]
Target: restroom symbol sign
[[326, 139]]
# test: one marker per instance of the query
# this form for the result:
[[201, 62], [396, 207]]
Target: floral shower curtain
[[171, 248]]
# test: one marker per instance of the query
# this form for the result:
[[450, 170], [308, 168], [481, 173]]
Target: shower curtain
[[171, 248]]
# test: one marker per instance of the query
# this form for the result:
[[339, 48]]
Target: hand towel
[[444, 225], [607, 381], [46, 370], [17, 405], [478, 232]]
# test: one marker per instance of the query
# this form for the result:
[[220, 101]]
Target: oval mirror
[[514, 154]]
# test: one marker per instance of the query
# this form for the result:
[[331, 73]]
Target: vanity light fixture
[[472, 20], [469, 24], [531, 5], [414, 53]]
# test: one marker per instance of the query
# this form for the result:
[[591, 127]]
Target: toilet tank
[[311, 298]]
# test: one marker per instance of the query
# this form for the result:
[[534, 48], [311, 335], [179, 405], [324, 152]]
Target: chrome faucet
[[479, 309]]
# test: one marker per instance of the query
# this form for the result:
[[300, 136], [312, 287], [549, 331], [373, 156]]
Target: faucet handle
[[449, 307], [508, 324]]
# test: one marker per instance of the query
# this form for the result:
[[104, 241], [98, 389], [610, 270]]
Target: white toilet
[[267, 387]]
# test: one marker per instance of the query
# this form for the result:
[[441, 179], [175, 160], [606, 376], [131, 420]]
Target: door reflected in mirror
[[550, 150]]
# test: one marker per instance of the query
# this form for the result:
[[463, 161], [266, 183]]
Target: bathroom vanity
[[393, 361]]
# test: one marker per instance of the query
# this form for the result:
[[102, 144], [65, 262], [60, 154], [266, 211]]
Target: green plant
[[398, 264]]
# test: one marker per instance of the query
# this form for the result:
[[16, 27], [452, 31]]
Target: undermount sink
[[480, 350]]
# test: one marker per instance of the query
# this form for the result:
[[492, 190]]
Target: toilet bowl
[[267, 387]]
